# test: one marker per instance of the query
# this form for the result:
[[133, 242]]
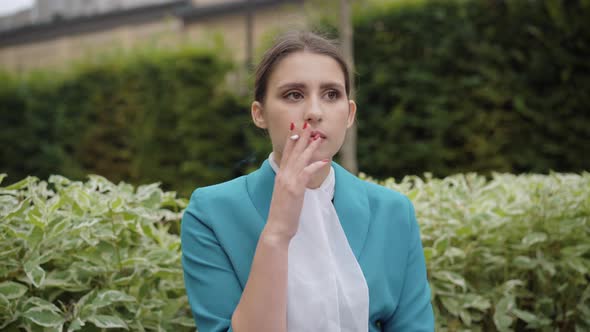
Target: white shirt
[[326, 288]]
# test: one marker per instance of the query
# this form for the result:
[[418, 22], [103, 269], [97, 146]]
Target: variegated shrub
[[503, 254], [89, 256], [510, 253]]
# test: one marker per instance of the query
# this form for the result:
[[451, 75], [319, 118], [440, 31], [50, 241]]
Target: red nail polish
[[292, 126], [305, 125]]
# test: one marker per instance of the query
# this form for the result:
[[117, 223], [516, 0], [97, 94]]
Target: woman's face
[[304, 87]]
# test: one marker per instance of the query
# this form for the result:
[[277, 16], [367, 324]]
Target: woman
[[301, 244]]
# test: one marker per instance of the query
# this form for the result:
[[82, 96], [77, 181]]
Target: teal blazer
[[222, 224]]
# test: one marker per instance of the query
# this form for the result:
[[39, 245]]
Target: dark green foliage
[[443, 86], [27, 134], [452, 86], [158, 116]]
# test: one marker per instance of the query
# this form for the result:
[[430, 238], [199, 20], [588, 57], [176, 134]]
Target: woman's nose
[[313, 112]]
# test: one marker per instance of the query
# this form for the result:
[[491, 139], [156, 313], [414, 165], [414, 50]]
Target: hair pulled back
[[291, 42]]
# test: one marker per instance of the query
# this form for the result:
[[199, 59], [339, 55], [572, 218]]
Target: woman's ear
[[257, 116], [351, 113]]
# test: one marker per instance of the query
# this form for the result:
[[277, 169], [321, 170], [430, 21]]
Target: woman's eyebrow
[[303, 86], [292, 85], [331, 85]]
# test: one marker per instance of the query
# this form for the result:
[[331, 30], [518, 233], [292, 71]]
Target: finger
[[306, 155], [290, 142], [301, 142], [314, 167]]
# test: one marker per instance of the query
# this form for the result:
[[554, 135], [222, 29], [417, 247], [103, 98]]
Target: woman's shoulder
[[381, 191], [220, 193], [377, 192], [377, 195], [387, 196]]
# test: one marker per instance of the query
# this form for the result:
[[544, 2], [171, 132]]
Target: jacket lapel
[[350, 201], [352, 206], [260, 185]]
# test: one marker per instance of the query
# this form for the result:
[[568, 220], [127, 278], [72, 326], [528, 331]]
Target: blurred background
[[149, 91]]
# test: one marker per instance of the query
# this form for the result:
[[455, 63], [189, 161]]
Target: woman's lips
[[314, 134]]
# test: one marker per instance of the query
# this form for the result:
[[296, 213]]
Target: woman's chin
[[320, 155]]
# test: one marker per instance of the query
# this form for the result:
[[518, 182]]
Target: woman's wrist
[[275, 237]]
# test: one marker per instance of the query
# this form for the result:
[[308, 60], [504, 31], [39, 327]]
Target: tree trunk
[[348, 156]]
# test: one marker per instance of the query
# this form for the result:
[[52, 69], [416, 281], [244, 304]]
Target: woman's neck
[[318, 178]]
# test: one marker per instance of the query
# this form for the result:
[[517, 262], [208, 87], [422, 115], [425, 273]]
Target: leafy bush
[[443, 86], [508, 254], [89, 256], [458, 86], [153, 115], [503, 254]]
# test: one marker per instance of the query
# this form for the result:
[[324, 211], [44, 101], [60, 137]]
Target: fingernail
[[292, 126], [294, 137], [305, 125]]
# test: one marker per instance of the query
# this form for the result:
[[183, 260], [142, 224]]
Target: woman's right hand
[[294, 175]]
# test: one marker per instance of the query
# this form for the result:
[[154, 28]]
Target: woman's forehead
[[306, 68]]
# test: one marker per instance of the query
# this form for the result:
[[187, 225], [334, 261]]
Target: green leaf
[[451, 304], [455, 252], [12, 290], [19, 209], [107, 322], [35, 273], [502, 321], [465, 317], [524, 262], [506, 304], [533, 238], [579, 265], [44, 316], [441, 244], [109, 297], [525, 315], [478, 302], [428, 253], [502, 317], [184, 321], [76, 325], [453, 277], [578, 250], [22, 183]]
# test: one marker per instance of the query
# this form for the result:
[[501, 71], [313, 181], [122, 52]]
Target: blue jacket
[[222, 224]]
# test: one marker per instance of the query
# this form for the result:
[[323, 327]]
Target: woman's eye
[[333, 94], [294, 95]]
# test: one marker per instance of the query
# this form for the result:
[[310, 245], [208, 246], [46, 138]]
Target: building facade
[[57, 32]]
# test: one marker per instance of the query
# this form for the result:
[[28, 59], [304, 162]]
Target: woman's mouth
[[317, 134]]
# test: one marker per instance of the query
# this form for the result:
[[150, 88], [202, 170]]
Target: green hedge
[[443, 87], [504, 254], [456, 86], [153, 116]]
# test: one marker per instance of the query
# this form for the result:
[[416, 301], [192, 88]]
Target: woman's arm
[[263, 304], [212, 286]]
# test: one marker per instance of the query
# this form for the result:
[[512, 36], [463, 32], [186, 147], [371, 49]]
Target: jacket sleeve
[[414, 311], [211, 284]]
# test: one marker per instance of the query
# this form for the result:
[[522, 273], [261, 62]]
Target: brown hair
[[291, 42]]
